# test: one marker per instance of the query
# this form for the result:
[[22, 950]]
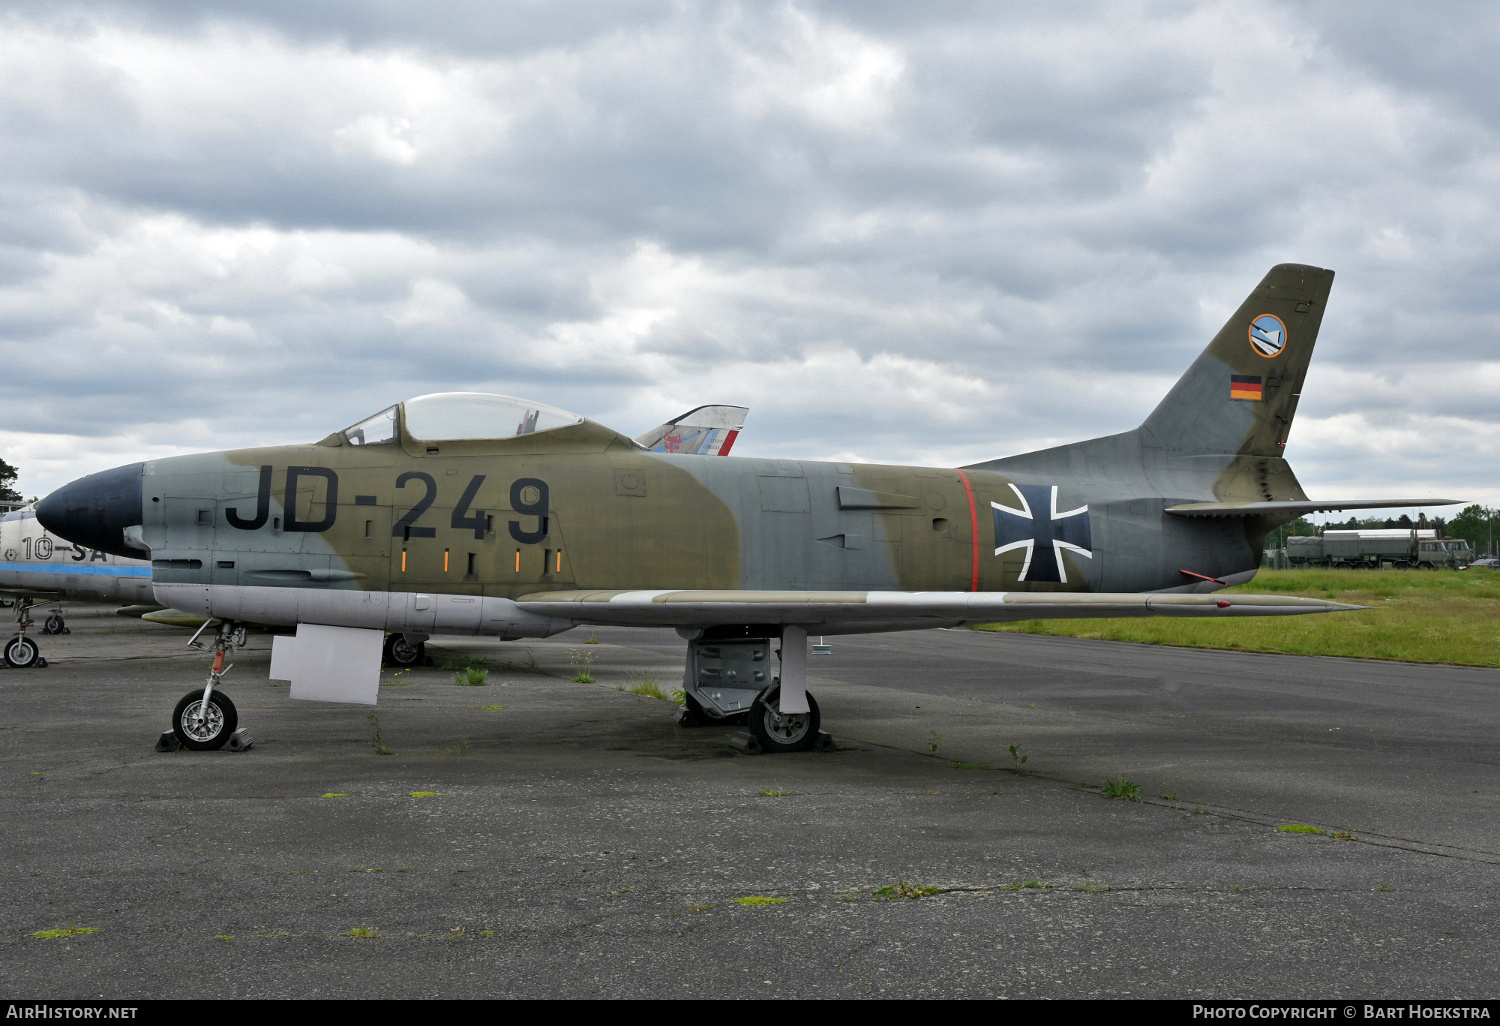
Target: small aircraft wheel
[[21, 652], [208, 732], [779, 732], [54, 624], [400, 652]]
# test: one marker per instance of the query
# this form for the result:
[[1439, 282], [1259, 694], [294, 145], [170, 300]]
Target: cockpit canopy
[[458, 416]]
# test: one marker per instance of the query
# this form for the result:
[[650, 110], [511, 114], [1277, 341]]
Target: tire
[[54, 624], [400, 652], [1424, 565], [21, 652], [777, 733], [1343, 565], [222, 721]]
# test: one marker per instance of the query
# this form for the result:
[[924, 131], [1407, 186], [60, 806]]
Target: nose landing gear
[[21, 652], [206, 720]]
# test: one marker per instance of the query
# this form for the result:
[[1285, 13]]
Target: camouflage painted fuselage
[[583, 509]]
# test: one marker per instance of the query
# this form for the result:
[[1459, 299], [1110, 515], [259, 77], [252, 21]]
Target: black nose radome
[[95, 510]]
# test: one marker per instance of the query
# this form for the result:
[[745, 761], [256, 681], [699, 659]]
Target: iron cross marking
[[1042, 531]]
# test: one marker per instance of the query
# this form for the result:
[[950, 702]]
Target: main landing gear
[[206, 719], [729, 680], [21, 652], [404, 649]]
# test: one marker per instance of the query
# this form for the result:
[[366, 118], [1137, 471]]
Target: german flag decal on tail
[[1245, 386]]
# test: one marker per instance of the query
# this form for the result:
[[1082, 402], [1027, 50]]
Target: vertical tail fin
[[1239, 396]]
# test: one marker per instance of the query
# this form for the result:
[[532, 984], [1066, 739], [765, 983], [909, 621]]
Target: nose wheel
[[204, 727], [21, 652], [205, 719]]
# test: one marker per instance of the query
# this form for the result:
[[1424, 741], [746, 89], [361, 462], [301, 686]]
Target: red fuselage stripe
[[973, 530]]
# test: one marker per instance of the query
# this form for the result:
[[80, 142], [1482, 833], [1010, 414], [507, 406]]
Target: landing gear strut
[[21, 652], [204, 720]]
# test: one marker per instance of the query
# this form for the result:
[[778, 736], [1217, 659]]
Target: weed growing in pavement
[[648, 688], [362, 933], [378, 741], [584, 663], [1033, 884], [768, 793], [473, 677], [1169, 797], [1121, 789], [1298, 828], [933, 741], [902, 889], [1017, 758], [757, 900]]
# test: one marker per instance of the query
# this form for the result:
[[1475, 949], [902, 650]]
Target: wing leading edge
[[844, 612]]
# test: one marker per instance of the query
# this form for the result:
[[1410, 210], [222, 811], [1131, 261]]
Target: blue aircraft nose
[[95, 510]]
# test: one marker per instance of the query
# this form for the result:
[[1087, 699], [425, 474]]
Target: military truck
[[1379, 547]]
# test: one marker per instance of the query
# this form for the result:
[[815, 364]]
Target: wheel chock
[[744, 742], [168, 741], [824, 743], [40, 664], [239, 740]]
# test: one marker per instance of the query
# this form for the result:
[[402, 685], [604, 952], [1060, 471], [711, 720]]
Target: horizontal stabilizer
[[1296, 507], [705, 431], [839, 612]]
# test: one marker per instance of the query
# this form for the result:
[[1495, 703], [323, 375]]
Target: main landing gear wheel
[[21, 653], [783, 732], [400, 652], [204, 733], [55, 625]]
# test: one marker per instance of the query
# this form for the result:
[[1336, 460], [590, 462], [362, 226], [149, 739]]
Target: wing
[[857, 612], [705, 431], [1295, 507]]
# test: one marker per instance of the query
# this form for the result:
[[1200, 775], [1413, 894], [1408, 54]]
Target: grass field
[[1422, 616]]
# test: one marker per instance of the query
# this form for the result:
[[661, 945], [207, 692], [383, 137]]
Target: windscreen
[[377, 430]]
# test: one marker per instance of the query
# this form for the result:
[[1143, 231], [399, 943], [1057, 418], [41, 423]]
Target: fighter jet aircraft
[[481, 514]]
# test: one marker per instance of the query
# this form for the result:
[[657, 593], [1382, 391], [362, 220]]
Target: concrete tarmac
[[539, 837]]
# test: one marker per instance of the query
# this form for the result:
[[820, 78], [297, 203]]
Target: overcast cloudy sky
[[933, 233]]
